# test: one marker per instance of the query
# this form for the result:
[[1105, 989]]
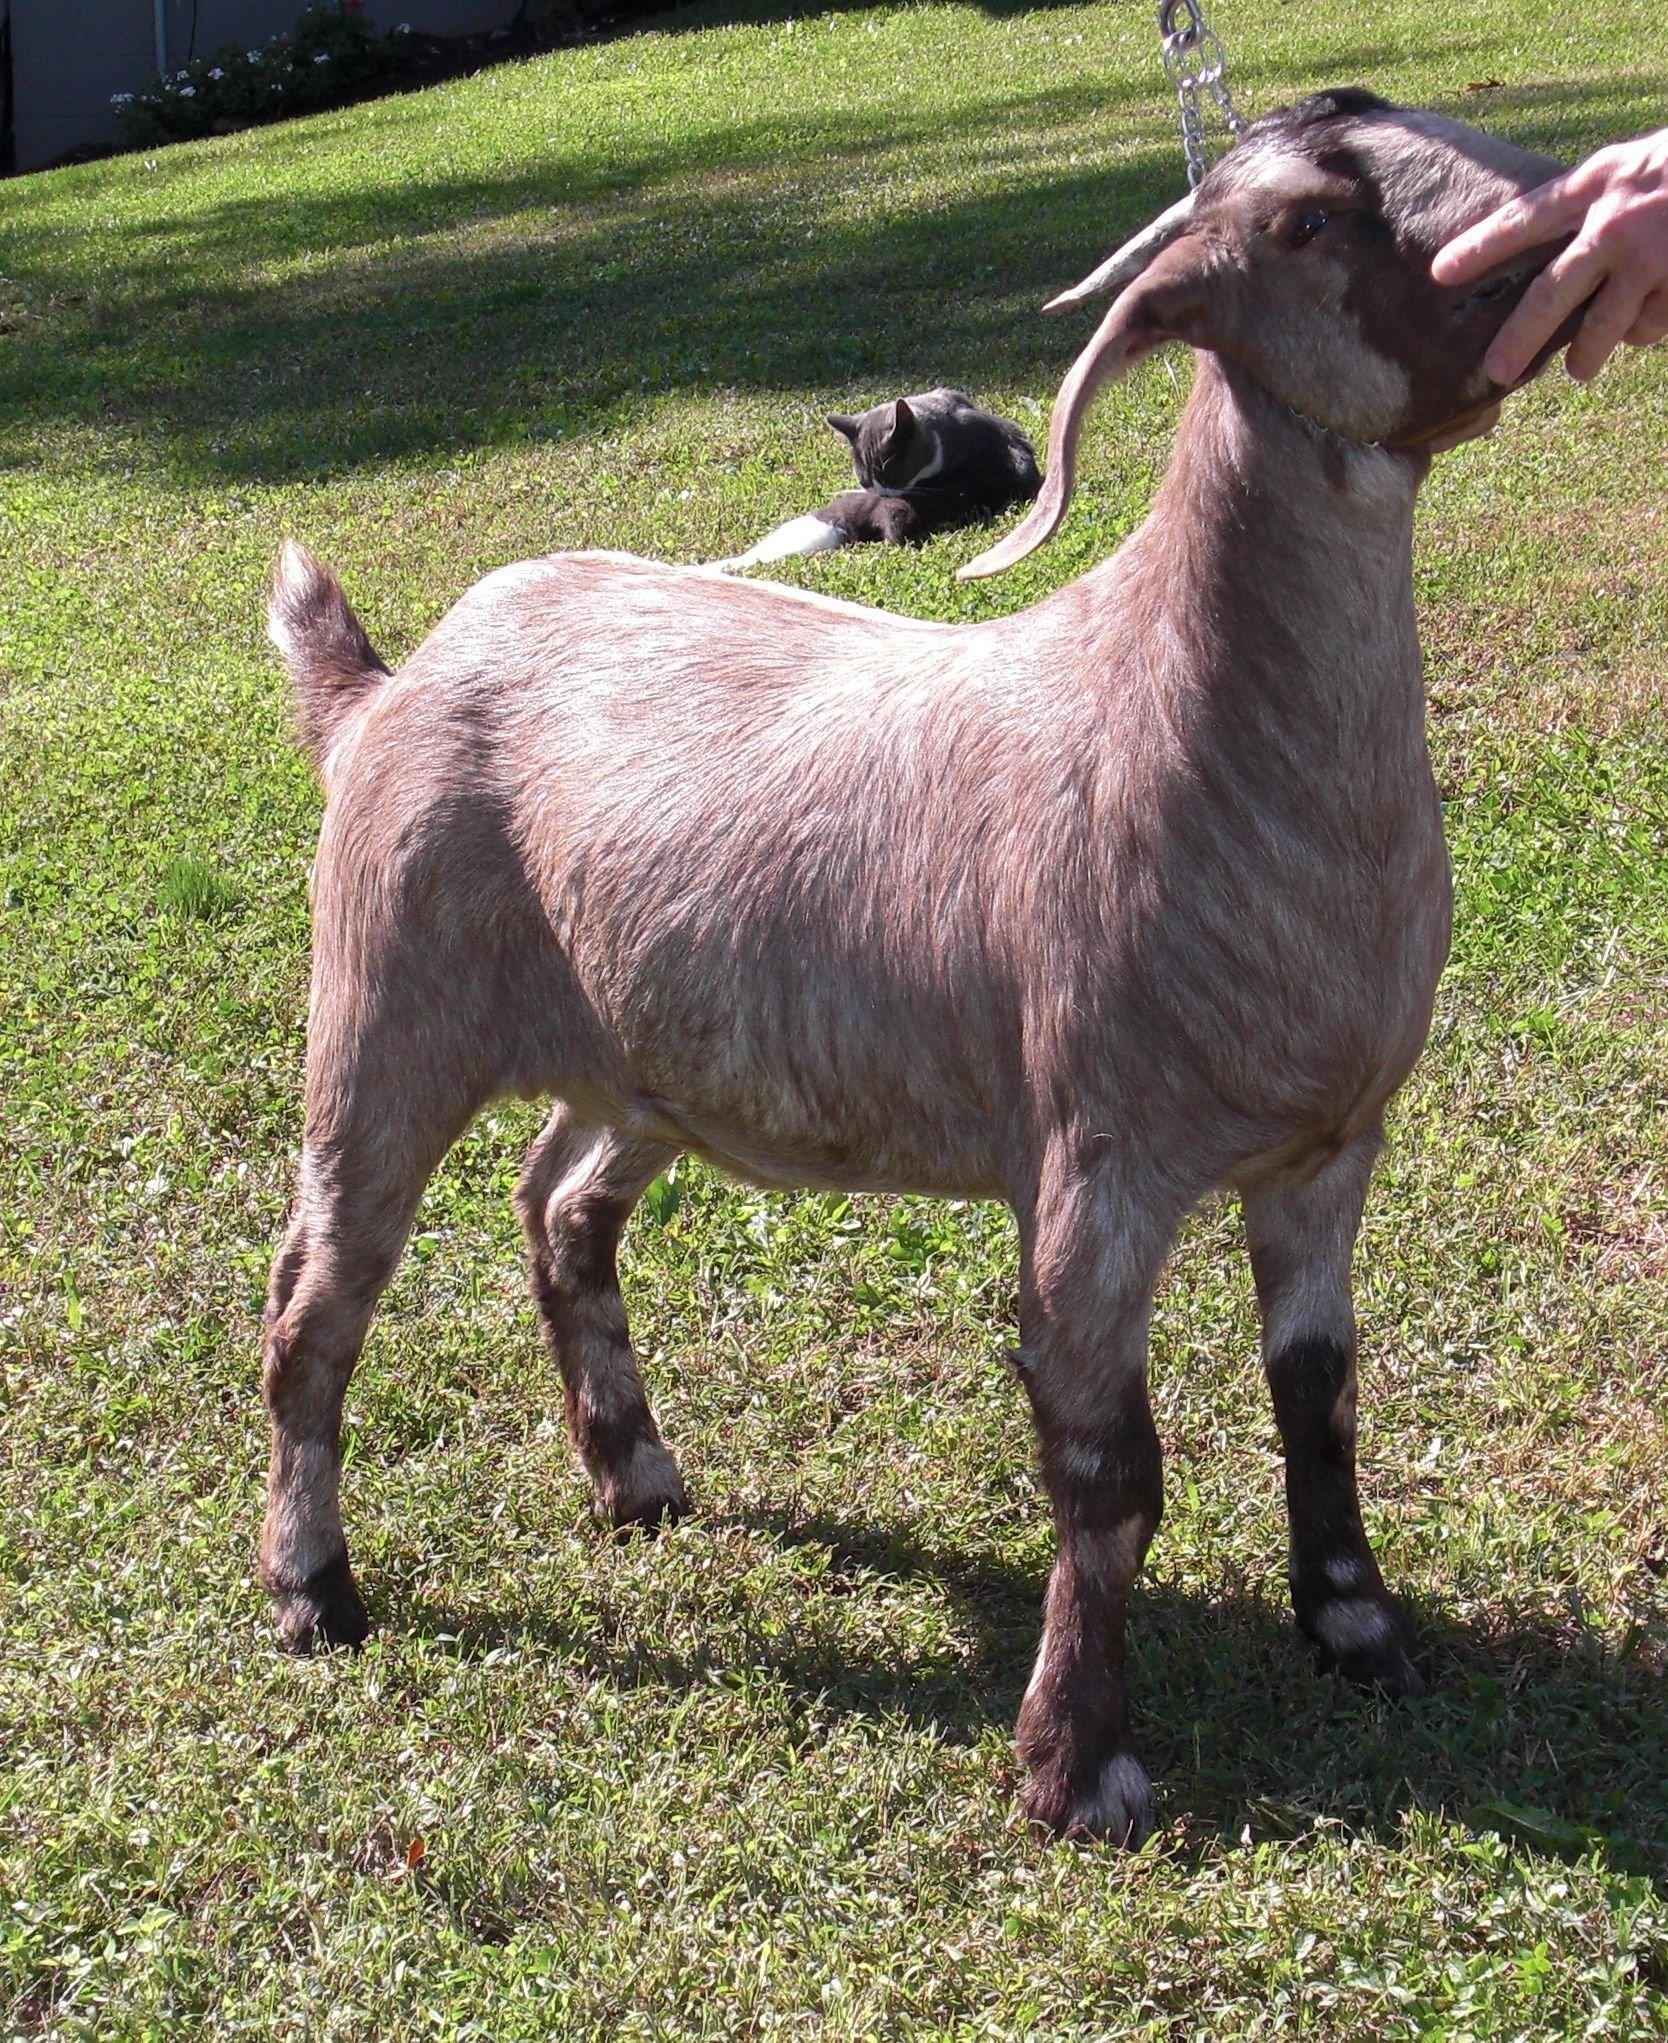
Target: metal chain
[[1196, 61]]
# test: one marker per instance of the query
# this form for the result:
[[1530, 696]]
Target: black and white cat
[[924, 464]]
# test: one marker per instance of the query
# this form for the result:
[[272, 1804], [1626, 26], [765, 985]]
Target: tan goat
[[1136, 894]]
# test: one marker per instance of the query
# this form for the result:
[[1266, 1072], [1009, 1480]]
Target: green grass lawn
[[755, 1778]]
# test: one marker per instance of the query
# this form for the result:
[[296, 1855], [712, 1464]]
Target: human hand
[[1616, 204]]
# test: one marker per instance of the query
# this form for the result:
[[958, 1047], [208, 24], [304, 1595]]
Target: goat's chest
[[1293, 955]]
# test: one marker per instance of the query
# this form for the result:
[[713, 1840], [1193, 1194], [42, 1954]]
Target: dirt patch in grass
[[1531, 667], [1625, 1226]]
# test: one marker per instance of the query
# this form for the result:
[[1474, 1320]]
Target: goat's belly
[[806, 1107], [787, 1062], [952, 1160]]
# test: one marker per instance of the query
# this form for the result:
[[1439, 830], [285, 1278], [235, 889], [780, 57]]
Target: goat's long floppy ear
[[1163, 275]]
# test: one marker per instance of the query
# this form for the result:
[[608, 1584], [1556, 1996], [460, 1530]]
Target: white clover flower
[[217, 72], [121, 99], [403, 29], [188, 92], [254, 56], [323, 57]]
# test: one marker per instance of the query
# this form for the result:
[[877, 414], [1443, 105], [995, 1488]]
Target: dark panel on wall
[[69, 57]]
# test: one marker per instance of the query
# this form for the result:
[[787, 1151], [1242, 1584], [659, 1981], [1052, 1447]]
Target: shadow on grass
[[1532, 1727], [591, 292], [427, 314]]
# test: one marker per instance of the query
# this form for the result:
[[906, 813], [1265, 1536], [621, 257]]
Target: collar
[[1473, 423]]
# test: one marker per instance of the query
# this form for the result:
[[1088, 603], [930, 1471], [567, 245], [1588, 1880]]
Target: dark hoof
[[643, 1492], [1117, 1806], [1391, 1674], [327, 1610], [1367, 1644], [646, 1517]]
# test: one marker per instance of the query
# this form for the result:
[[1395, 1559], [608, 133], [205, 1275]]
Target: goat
[[1095, 908]]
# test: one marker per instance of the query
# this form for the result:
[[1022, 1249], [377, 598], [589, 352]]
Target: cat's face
[[889, 446]]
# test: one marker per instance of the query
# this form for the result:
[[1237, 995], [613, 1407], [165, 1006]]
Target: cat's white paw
[[795, 540]]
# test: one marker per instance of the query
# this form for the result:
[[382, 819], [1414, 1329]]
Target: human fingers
[[1544, 214], [1563, 285], [1652, 323], [1608, 322]]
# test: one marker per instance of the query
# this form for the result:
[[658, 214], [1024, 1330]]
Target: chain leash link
[[1196, 62]]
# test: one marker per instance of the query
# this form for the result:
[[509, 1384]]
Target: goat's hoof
[[326, 1610], [643, 1521], [648, 1496], [1367, 1644], [1118, 1808], [1391, 1673]]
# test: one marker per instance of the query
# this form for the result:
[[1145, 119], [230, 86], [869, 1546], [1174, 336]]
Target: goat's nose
[[1508, 281], [1489, 293]]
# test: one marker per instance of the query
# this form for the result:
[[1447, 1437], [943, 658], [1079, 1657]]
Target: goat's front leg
[[1089, 1260], [1302, 1236]]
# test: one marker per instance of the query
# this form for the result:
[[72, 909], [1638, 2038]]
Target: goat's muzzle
[[1496, 296]]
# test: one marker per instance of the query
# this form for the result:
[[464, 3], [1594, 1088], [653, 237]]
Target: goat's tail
[[333, 665]]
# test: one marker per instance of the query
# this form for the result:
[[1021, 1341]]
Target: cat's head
[[889, 445]]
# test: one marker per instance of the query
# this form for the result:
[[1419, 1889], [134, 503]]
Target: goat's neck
[[1279, 558]]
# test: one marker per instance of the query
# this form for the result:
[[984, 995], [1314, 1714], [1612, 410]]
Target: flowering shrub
[[326, 59]]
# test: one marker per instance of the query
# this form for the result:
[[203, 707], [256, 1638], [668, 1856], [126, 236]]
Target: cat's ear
[[845, 426], [902, 422]]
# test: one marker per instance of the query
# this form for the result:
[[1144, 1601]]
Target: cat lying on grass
[[924, 465]]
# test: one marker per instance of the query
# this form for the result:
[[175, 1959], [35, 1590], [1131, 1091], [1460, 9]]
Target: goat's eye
[[1306, 227]]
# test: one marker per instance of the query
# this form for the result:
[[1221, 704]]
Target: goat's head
[[1304, 258]]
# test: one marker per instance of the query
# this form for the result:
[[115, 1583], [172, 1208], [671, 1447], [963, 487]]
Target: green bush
[[327, 59]]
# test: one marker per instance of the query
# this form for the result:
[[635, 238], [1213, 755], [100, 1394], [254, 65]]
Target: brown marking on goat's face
[[1321, 225]]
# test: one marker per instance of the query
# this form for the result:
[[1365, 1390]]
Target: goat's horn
[[1126, 264], [1123, 333], [1117, 341]]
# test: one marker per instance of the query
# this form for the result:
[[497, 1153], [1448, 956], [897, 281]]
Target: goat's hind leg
[[1302, 1236], [577, 1190], [362, 1173]]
